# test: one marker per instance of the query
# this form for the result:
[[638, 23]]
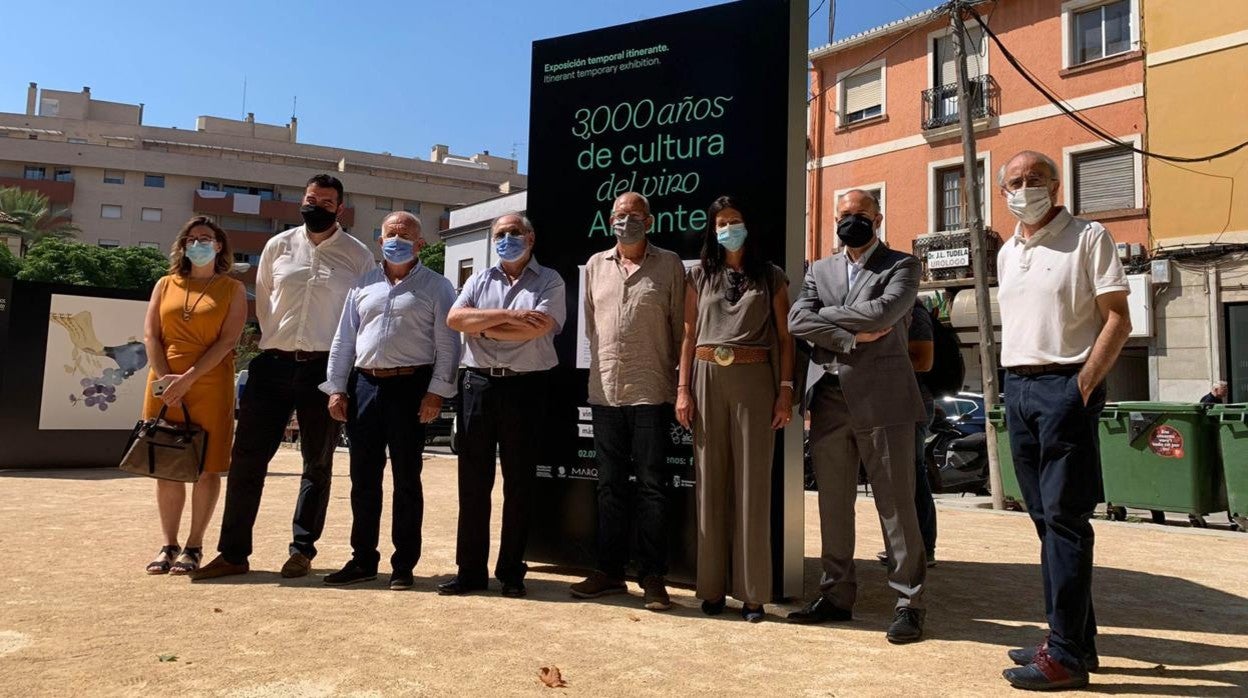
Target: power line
[[1078, 118], [816, 11], [881, 52]]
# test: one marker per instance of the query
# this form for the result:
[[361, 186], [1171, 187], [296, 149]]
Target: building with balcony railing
[[885, 118], [128, 183]]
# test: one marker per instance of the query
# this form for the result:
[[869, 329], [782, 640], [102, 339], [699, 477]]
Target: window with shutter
[[1104, 180], [862, 96], [944, 64]]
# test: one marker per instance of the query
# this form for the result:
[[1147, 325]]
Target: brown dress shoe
[[219, 567], [297, 566]]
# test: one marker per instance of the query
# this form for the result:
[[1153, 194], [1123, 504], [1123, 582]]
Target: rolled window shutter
[[976, 57], [862, 91], [1105, 181]]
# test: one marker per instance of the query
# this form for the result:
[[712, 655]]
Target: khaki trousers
[[733, 447]]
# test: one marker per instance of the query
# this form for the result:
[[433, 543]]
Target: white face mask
[[1029, 204]]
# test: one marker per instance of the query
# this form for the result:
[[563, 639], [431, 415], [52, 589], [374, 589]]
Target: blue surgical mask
[[732, 236], [201, 253], [398, 251], [510, 247]]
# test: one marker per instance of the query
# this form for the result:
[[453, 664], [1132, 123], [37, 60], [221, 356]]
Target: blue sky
[[374, 76]]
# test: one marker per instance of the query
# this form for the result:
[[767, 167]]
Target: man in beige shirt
[[634, 313]]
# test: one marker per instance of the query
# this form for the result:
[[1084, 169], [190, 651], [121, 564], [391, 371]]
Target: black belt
[[298, 355], [498, 372], [1044, 369], [390, 372]]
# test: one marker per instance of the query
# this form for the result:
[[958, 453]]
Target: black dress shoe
[[1045, 674], [401, 580], [351, 573], [457, 586], [821, 610], [907, 626], [753, 615], [714, 608], [514, 590]]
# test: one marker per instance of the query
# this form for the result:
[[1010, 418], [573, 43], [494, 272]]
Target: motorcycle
[[956, 461]]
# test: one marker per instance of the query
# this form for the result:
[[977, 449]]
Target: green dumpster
[[1009, 479], [1161, 456], [1233, 434]]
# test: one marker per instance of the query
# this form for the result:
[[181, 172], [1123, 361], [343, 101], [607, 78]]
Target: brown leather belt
[[727, 356], [389, 372], [1042, 369], [300, 356]]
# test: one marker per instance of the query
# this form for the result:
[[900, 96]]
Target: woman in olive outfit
[[735, 391]]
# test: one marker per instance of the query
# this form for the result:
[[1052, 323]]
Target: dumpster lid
[[1233, 407], [1154, 407]]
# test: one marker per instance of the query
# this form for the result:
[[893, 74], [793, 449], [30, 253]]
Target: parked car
[[965, 411]]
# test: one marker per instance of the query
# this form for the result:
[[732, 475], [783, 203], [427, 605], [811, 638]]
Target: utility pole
[[831, 21], [979, 249]]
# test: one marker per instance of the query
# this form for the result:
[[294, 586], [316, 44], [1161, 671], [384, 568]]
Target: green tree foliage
[[9, 265], [33, 218], [58, 261], [248, 346], [434, 256]]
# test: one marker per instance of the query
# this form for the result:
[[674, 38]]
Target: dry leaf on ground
[[551, 677]]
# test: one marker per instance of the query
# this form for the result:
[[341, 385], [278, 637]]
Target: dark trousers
[[1053, 437], [277, 386], [629, 441], [502, 415], [386, 412], [924, 504]]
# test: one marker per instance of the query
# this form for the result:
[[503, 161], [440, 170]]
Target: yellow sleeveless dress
[[211, 398]]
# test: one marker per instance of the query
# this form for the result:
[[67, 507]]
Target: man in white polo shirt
[[1064, 319], [301, 283]]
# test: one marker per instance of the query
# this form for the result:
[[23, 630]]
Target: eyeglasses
[[622, 216], [511, 230], [193, 240], [1028, 181]]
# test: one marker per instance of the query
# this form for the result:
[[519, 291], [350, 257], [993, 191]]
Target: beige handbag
[[166, 451]]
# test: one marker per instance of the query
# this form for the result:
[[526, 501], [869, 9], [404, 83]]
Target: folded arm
[[895, 303]]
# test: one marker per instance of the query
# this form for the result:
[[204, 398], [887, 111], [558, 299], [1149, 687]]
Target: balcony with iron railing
[[941, 105], [946, 257]]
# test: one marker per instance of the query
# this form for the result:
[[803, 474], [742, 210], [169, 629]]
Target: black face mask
[[855, 230], [317, 219]]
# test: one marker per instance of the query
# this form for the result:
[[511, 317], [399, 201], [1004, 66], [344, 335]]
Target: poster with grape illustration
[[96, 366]]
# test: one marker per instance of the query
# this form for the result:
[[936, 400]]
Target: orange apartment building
[[885, 118]]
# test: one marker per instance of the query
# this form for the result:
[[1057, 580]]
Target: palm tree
[[33, 218]]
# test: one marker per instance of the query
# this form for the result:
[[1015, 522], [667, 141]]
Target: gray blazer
[[877, 377]]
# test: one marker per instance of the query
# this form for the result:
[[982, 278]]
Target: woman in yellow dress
[[194, 320]]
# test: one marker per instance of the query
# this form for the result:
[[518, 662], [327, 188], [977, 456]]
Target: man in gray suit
[[853, 308]]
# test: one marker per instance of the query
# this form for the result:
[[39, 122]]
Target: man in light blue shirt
[[509, 314], [392, 348]]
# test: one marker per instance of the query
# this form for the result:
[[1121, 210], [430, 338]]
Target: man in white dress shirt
[[301, 283]]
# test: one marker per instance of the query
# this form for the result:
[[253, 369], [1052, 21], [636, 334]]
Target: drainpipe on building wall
[[1213, 292]]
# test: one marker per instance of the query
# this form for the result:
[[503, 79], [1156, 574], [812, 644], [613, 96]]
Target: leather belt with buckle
[[496, 372], [1042, 369], [299, 355], [727, 356], [389, 372]]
